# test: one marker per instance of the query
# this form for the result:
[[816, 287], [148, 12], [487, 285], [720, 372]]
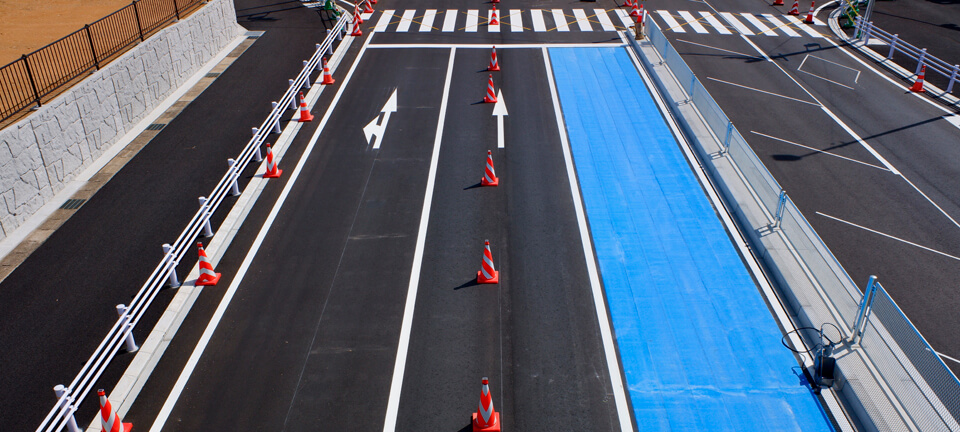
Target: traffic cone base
[[918, 84], [495, 182], [482, 280], [208, 277], [305, 115], [275, 174], [493, 428], [273, 170], [109, 420], [327, 76], [778, 2], [809, 18], [207, 280]]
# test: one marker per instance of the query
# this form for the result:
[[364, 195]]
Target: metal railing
[[915, 374], [69, 397], [866, 30], [25, 82]]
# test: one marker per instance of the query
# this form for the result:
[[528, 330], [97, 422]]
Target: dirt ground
[[26, 25]]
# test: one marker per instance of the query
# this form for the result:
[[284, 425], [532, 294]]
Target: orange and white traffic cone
[[634, 12], [493, 17], [367, 8], [208, 277], [778, 2], [373, 1], [488, 274], [809, 19], [486, 419], [305, 115], [918, 85], [494, 65], [356, 26], [489, 175], [639, 16], [356, 14], [109, 418], [273, 171], [627, 3], [491, 96], [327, 76], [494, 1], [795, 10]]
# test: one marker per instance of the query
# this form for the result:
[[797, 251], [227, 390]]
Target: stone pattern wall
[[43, 152]]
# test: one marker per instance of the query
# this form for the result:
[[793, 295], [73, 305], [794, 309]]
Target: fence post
[[923, 56], [176, 9], [893, 45], [256, 154], [726, 140], [127, 328], [207, 229], [96, 61], [60, 390], [234, 187], [293, 100], [866, 34], [171, 266], [781, 204], [137, 13], [863, 315], [33, 84], [306, 81], [953, 78], [274, 105]]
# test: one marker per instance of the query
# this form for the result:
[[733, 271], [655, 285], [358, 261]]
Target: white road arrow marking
[[377, 128], [500, 110]]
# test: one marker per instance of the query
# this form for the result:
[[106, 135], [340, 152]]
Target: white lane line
[[516, 20], [625, 18], [800, 69], [719, 49], [473, 17], [406, 20], [947, 357], [736, 23], [537, 16], [493, 28], [560, 20], [762, 91], [427, 23], [777, 24], [818, 150], [393, 402], [582, 21], [889, 236], [692, 22], [806, 28], [384, 21], [715, 23], [191, 364], [606, 334], [758, 24], [672, 23], [604, 20], [486, 46], [450, 20]]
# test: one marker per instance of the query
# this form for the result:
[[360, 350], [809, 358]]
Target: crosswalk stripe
[[493, 28], [758, 24], [537, 16], [406, 20], [516, 22], [672, 24], [582, 20], [450, 20], [736, 23], [604, 19], [427, 23], [560, 21], [624, 18], [781, 25], [473, 17], [713, 21], [694, 24], [384, 21], [806, 28]]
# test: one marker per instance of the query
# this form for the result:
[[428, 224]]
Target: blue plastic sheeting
[[699, 347]]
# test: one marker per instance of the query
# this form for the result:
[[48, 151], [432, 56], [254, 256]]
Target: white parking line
[[758, 24], [393, 401], [781, 25], [604, 20], [818, 150], [473, 17], [762, 91], [722, 29], [736, 23], [406, 20], [889, 236], [516, 20], [384, 21], [537, 16], [692, 22], [806, 28], [427, 23], [450, 20], [672, 23], [560, 20], [582, 20]]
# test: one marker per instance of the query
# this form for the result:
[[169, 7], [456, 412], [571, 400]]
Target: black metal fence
[[29, 80]]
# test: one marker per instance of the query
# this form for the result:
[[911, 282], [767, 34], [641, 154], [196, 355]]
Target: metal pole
[[33, 84], [953, 78], [234, 187], [780, 207], [96, 61], [60, 390], [866, 34], [131, 344], [923, 56], [306, 80], [726, 140], [865, 308], [293, 101], [256, 154], [176, 9], [136, 12], [171, 266], [276, 124], [893, 45], [207, 229]]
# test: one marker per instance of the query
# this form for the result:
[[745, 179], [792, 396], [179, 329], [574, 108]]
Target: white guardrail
[[865, 30], [69, 397]]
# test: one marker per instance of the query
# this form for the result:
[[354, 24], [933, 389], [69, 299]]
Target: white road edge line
[[606, 333], [818, 150], [947, 357], [393, 402], [888, 236], [762, 91], [191, 364], [718, 49], [504, 46]]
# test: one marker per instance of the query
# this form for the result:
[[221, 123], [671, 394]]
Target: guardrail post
[[256, 153], [136, 12], [923, 56], [33, 83], [207, 229], [863, 315], [726, 140], [171, 265], [60, 390], [781, 205], [293, 100], [866, 33], [893, 45], [319, 67], [858, 27], [953, 78], [234, 187], [276, 124], [127, 328], [306, 80]]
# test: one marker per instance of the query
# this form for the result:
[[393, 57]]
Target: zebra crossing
[[586, 20]]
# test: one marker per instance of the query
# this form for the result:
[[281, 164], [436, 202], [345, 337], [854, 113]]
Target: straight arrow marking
[[500, 110], [377, 126]]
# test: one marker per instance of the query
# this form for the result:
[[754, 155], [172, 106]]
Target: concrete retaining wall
[[46, 150]]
